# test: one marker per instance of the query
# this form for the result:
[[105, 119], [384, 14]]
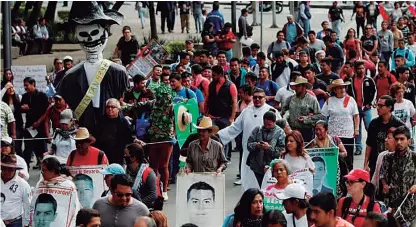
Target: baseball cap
[[294, 190], [66, 116], [358, 174], [113, 169], [67, 58], [7, 140]]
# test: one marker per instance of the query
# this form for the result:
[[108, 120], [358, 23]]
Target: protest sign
[[303, 177], [151, 55], [200, 199], [272, 199], [157, 52], [184, 130], [90, 183], [326, 169], [37, 72], [53, 206]]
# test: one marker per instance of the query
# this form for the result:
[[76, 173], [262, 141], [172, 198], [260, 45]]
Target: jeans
[[306, 26], [336, 26], [15, 223], [222, 123], [198, 22], [141, 16], [365, 115]]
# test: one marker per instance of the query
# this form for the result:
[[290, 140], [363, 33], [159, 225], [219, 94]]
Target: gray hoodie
[[386, 40]]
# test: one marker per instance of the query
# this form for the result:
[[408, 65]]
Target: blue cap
[[113, 169]]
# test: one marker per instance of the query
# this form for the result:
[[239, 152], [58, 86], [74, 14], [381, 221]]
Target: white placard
[[90, 183], [37, 72], [303, 177], [200, 199], [341, 126]]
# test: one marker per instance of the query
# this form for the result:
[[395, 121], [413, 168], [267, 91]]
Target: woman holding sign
[[344, 119]]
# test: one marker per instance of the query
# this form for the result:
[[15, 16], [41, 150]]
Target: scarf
[[66, 134], [139, 176], [249, 222]]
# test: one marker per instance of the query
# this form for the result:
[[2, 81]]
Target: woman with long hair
[[295, 153], [7, 77], [351, 43], [12, 99], [209, 39], [354, 209]]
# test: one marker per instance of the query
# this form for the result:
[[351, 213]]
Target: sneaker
[[357, 153], [229, 163], [237, 182], [165, 196]]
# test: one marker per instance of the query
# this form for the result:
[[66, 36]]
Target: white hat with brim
[[184, 118], [83, 134], [206, 123], [337, 83], [301, 80]]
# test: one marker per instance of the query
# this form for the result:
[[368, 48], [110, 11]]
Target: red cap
[[358, 174]]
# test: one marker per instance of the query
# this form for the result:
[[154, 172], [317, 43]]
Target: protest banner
[[37, 72], [303, 177], [90, 183], [326, 169], [183, 129], [200, 199], [272, 197], [53, 206]]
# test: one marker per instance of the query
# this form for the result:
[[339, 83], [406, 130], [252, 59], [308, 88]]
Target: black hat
[[90, 12]]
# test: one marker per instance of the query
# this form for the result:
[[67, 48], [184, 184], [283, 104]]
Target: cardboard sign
[[153, 54], [200, 199], [90, 183], [37, 72]]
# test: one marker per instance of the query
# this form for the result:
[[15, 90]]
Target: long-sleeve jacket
[[307, 107], [386, 40], [369, 90], [407, 54], [259, 157]]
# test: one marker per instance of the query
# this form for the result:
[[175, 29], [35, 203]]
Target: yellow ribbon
[[92, 90]]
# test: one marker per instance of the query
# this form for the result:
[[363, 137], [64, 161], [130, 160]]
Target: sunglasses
[[121, 195], [351, 182], [258, 97]]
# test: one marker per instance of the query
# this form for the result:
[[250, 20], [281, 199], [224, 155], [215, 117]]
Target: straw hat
[[337, 83], [9, 161], [184, 118], [83, 134], [206, 123], [301, 80]]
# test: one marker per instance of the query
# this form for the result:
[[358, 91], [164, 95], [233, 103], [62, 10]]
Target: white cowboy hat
[[337, 83]]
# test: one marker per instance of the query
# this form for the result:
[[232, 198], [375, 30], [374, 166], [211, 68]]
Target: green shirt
[[153, 85]]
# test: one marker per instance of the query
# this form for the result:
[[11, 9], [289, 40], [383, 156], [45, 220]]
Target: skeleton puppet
[[92, 25]]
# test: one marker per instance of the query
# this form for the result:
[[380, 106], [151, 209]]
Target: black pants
[[164, 19], [239, 148], [43, 46], [259, 178], [307, 133], [360, 24], [37, 146], [372, 21], [22, 46], [349, 146]]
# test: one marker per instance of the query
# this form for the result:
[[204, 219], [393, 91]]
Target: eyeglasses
[[121, 195], [111, 107], [351, 182], [368, 28], [380, 105], [258, 97]]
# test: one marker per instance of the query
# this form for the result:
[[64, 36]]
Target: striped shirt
[[205, 161], [6, 118]]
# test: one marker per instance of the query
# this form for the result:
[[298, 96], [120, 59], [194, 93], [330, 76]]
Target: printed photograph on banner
[[200, 199], [303, 177], [184, 112], [155, 51], [140, 66], [326, 169], [37, 72], [53, 207], [90, 183]]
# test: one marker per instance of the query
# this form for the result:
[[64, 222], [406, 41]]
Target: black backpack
[[99, 161]]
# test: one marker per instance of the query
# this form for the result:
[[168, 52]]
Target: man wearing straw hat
[[205, 154], [302, 110], [15, 209]]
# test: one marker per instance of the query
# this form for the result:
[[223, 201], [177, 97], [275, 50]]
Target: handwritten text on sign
[[37, 72]]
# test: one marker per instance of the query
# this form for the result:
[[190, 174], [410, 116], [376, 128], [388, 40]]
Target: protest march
[[316, 130]]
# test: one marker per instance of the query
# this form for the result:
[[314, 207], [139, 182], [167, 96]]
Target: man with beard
[[398, 175], [281, 69], [245, 123], [120, 208], [87, 86]]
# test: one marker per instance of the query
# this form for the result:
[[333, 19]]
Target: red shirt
[[227, 45], [360, 218], [90, 159], [383, 85], [358, 89], [54, 115]]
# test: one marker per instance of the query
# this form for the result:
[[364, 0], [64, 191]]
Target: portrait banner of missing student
[[200, 199], [90, 183], [53, 207], [326, 169]]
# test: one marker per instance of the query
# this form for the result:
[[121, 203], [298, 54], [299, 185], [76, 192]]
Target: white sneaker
[[237, 182], [165, 195]]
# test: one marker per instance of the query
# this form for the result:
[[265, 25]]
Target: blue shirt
[[291, 32], [183, 94], [216, 18], [270, 88], [252, 61], [199, 95]]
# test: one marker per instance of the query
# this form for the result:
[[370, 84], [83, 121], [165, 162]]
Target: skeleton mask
[[92, 38]]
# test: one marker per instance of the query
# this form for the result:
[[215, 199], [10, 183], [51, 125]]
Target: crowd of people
[[308, 90]]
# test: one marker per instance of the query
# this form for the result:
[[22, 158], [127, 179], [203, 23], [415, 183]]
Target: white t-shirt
[[299, 162], [282, 94], [341, 119], [302, 222], [404, 111], [63, 146], [16, 200]]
